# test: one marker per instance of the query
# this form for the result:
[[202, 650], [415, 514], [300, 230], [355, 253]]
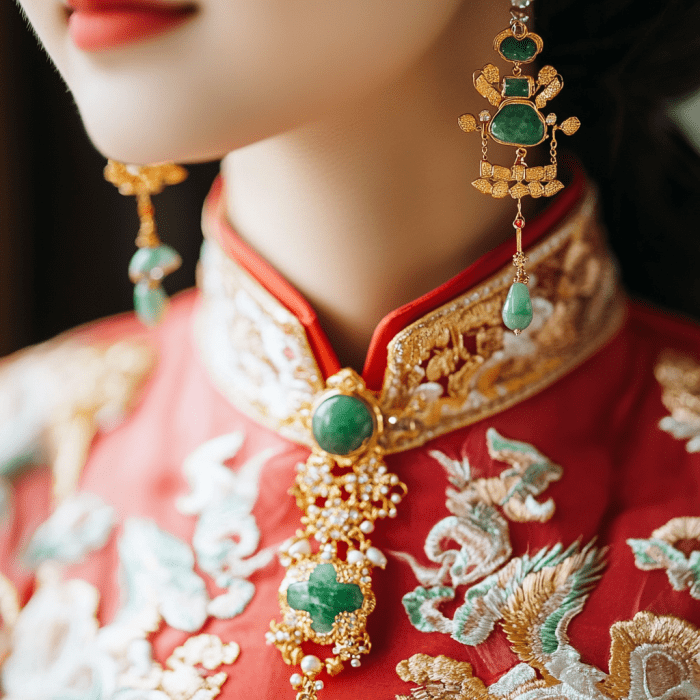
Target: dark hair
[[624, 62]]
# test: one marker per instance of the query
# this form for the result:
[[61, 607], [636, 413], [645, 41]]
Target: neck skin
[[372, 206]]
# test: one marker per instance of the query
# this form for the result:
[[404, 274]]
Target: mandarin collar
[[436, 364]]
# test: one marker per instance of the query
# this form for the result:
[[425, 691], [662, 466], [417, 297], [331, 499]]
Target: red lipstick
[[98, 25]]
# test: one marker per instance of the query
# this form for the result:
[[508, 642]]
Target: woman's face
[[232, 72]]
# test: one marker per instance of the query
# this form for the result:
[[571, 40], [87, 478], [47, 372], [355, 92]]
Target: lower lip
[[108, 29]]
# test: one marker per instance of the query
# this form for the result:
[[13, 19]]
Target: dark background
[[66, 235]]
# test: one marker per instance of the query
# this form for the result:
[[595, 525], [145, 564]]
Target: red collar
[[392, 323]]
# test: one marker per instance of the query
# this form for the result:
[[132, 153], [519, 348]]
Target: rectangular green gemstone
[[516, 87]]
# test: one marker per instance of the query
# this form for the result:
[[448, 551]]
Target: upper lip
[[106, 5]]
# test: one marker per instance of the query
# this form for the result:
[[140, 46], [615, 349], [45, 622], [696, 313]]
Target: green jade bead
[[517, 310], [324, 598], [153, 263], [518, 125], [341, 424], [518, 49], [149, 302], [517, 87]]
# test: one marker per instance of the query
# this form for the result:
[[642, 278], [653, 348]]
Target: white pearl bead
[[295, 679], [318, 685], [396, 498], [311, 664], [376, 557], [367, 526], [354, 556], [300, 547]]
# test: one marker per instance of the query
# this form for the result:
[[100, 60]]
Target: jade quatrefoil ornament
[[324, 598]]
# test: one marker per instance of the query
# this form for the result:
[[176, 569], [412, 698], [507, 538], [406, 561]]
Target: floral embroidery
[[59, 651], [81, 524], [652, 658], [680, 378], [54, 649], [181, 679], [226, 536], [659, 552]]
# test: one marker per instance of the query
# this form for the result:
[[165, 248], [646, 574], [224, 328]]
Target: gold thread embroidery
[[679, 376], [652, 650], [441, 678], [651, 656], [452, 368], [456, 366]]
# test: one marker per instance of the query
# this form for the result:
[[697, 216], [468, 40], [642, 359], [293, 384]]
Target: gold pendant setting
[[326, 594], [518, 122]]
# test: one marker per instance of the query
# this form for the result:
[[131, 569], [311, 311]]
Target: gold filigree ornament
[[343, 488], [518, 122], [153, 260]]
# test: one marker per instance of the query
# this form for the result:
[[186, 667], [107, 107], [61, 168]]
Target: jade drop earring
[[518, 122], [154, 260]]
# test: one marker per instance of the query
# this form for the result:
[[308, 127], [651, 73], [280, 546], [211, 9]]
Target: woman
[[543, 548]]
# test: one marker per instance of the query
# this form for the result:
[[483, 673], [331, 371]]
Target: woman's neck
[[372, 205]]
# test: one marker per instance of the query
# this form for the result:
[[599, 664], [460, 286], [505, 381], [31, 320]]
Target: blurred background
[[66, 235]]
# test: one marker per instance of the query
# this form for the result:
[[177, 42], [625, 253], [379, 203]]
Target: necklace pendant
[[343, 489]]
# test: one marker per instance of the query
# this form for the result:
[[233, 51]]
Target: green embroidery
[[534, 596], [421, 607], [658, 552]]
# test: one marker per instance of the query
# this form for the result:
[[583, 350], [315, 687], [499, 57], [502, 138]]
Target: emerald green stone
[[517, 311], [517, 87], [341, 424], [518, 125], [149, 302], [518, 49], [323, 597], [162, 259]]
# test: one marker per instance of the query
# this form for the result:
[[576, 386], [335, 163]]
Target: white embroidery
[[226, 536], [158, 579], [255, 349], [82, 523], [54, 649]]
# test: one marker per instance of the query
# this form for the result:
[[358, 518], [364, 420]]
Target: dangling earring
[[154, 260], [518, 122]]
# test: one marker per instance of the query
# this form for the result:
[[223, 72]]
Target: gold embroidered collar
[[452, 367]]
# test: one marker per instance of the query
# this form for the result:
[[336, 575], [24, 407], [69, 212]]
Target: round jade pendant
[[341, 424], [517, 311]]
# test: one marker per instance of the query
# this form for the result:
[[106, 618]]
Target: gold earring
[[518, 122], [154, 260]]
